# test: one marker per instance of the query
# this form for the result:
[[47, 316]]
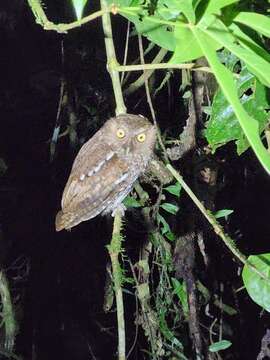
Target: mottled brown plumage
[[106, 168]]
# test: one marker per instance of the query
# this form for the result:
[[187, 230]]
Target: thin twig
[[162, 66], [42, 19], [126, 51], [57, 125], [228, 241], [146, 74], [150, 101]]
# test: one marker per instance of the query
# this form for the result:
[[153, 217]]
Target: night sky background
[[57, 279]]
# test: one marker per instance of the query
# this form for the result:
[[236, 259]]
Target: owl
[[106, 168]]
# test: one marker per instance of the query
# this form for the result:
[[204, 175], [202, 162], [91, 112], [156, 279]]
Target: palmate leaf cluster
[[192, 29]]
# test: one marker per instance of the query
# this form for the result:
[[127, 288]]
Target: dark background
[[59, 295]]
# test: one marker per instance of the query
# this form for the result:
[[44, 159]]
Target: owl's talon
[[121, 208]]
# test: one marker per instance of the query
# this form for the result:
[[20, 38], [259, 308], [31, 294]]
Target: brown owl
[[106, 168]]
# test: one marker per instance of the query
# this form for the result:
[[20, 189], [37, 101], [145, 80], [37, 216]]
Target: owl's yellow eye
[[141, 137], [120, 133]]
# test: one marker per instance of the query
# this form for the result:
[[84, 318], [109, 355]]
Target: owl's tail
[[63, 221]]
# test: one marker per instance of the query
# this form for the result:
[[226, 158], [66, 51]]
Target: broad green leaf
[[257, 287], [186, 7], [223, 125], [222, 213], [168, 9], [170, 208], [161, 36], [247, 42], [257, 107], [220, 345], [217, 31], [226, 82], [130, 202], [186, 45], [214, 6], [174, 189], [79, 6], [258, 22]]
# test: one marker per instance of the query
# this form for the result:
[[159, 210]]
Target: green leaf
[[223, 125], [258, 288], [174, 189], [186, 7], [165, 226], [130, 202], [225, 79], [170, 236], [220, 345], [159, 34], [222, 213], [247, 42], [180, 290], [214, 6], [79, 6], [187, 47], [258, 22], [168, 9], [170, 208], [217, 31]]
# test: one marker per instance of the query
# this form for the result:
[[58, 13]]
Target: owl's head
[[130, 134]]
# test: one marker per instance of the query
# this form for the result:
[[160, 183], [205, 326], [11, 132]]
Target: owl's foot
[[121, 208]]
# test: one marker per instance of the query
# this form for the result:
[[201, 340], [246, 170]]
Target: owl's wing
[[94, 176]]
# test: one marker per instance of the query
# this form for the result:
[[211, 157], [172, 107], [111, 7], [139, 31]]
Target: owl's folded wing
[[89, 194], [88, 185]]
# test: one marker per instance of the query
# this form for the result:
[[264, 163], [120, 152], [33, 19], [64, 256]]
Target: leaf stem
[[142, 67]]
